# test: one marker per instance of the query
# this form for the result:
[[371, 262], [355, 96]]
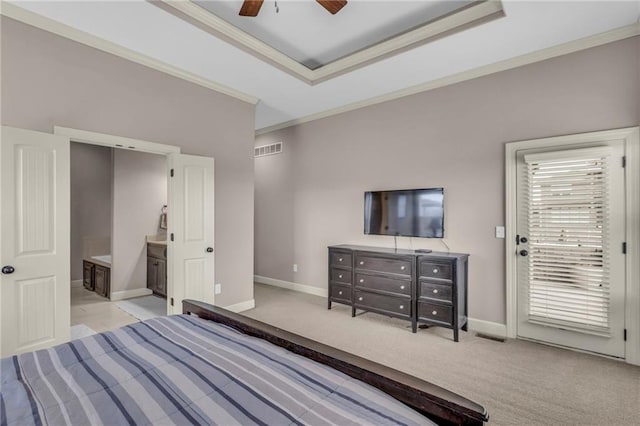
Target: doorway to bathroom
[[179, 260], [118, 236], [36, 232]]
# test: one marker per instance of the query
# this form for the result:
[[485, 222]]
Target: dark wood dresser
[[429, 288]]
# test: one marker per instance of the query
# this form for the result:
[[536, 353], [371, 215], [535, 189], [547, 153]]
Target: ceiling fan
[[252, 7]]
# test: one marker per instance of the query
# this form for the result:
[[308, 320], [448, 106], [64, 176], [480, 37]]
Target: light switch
[[499, 231]]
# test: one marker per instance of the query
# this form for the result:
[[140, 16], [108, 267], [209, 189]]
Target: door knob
[[209, 249], [523, 240], [8, 269], [524, 253]]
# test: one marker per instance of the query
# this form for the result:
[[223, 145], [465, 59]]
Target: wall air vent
[[274, 148]]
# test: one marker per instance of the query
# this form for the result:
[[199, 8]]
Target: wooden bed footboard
[[440, 405]]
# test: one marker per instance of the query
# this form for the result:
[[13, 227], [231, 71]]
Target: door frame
[[120, 142], [631, 136]]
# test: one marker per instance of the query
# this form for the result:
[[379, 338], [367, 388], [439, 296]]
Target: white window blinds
[[568, 221]]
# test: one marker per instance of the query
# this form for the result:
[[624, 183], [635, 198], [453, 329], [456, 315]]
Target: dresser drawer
[[435, 312], [385, 304], [384, 284], [429, 290], [341, 293], [342, 276], [339, 258], [435, 269], [387, 265]]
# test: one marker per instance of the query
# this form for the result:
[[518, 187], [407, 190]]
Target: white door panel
[[571, 225], [191, 223], [35, 298]]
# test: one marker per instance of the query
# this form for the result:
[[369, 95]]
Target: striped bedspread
[[185, 370]]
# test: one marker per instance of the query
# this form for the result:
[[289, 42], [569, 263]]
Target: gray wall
[[139, 192], [312, 195], [48, 80], [90, 198]]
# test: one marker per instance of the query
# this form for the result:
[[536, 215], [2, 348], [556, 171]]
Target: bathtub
[[106, 258]]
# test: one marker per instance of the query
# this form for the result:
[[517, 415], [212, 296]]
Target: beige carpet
[[520, 383]]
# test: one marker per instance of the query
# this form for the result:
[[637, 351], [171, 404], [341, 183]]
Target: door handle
[[523, 240], [524, 253], [209, 249], [8, 269]]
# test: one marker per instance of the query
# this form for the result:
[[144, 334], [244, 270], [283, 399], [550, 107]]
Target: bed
[[212, 366]]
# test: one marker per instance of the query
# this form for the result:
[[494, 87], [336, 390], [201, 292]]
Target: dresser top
[[390, 250]]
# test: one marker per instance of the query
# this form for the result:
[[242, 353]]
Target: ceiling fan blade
[[251, 7], [333, 6]]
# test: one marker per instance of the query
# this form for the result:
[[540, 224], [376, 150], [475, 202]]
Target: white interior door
[[571, 266], [190, 269], [34, 252]]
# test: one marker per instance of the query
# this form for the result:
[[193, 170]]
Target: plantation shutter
[[567, 201]]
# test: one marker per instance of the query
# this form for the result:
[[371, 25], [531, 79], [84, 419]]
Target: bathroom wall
[[90, 199], [139, 192]]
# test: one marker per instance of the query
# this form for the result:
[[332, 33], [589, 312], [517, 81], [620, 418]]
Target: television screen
[[407, 213]]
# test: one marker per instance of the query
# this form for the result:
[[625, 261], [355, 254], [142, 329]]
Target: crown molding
[[210, 23], [529, 58], [476, 13], [35, 20]]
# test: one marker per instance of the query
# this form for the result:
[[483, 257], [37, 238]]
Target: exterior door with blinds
[[571, 266]]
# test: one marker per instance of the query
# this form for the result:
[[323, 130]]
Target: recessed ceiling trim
[[207, 21], [474, 14], [35, 20], [465, 18], [529, 58]]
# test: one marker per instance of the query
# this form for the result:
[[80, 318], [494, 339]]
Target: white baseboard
[[76, 283], [242, 306], [487, 327], [303, 288], [129, 294]]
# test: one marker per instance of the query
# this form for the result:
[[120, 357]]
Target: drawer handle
[[435, 270], [401, 306], [360, 299], [435, 291], [340, 292], [340, 276], [402, 268], [361, 280], [401, 287], [339, 259], [362, 262], [434, 313]]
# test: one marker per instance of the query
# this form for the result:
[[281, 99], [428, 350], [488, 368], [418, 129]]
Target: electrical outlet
[[217, 289], [295, 267], [499, 231]]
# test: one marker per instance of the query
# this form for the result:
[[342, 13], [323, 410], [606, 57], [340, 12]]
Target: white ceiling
[[529, 26], [307, 33]]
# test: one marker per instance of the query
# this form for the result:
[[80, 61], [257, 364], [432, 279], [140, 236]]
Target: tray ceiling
[[315, 46], [308, 34]]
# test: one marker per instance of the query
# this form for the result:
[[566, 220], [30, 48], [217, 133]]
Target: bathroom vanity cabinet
[[157, 268]]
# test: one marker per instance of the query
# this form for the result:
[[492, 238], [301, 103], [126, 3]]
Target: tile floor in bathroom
[[96, 312]]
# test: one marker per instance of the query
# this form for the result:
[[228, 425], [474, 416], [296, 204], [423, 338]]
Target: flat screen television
[[406, 213]]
